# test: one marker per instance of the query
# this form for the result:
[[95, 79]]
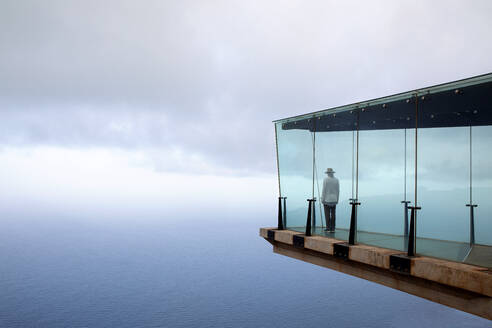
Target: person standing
[[329, 198]]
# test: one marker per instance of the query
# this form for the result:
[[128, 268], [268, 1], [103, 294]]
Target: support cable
[[405, 202], [471, 198], [353, 167], [470, 204], [405, 170], [317, 185], [278, 167], [412, 238], [353, 217]]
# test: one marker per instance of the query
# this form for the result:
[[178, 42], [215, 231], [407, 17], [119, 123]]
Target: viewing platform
[[396, 190]]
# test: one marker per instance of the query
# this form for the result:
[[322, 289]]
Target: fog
[[133, 103]]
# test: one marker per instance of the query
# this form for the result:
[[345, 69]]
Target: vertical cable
[[278, 168], [416, 144], [357, 162], [314, 149], [353, 150], [412, 237], [352, 240], [471, 205], [471, 199], [414, 234], [405, 170], [314, 170], [404, 201], [317, 187], [315, 177]]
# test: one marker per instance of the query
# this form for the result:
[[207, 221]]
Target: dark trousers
[[330, 216]]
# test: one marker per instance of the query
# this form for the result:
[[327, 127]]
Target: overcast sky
[[189, 88]]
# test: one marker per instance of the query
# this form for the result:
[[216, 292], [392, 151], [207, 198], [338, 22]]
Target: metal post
[[472, 226], [413, 231], [472, 223], [353, 223], [411, 239], [280, 219], [309, 218], [285, 212], [314, 214]]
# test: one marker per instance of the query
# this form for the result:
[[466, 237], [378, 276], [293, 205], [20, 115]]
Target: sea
[[209, 270]]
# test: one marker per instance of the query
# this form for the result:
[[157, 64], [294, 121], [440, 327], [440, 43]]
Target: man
[[329, 198]]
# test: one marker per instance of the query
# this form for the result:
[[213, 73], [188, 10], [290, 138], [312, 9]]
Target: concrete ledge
[[321, 244], [459, 277], [446, 295], [286, 236], [376, 256]]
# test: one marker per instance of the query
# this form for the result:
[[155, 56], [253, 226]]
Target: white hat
[[329, 170]]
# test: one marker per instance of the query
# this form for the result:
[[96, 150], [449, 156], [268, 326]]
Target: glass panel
[[386, 166], [443, 178], [295, 159], [480, 227], [335, 152], [443, 192], [482, 185]]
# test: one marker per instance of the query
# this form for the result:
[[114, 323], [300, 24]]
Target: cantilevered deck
[[458, 285]]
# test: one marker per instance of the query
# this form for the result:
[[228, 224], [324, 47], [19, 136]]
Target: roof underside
[[462, 103]]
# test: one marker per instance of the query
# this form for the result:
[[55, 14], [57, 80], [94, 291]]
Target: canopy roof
[[459, 103]]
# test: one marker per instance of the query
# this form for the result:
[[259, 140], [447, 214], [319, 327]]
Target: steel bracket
[[400, 263], [298, 241], [341, 251]]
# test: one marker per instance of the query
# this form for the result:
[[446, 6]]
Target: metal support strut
[[472, 223], [353, 222], [313, 210], [280, 218], [310, 216], [413, 231], [285, 212]]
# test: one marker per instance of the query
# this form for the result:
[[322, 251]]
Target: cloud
[[195, 85], [96, 182]]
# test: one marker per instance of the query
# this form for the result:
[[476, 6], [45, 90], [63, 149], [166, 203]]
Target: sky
[[156, 105]]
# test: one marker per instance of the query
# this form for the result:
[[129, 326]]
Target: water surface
[[63, 271]]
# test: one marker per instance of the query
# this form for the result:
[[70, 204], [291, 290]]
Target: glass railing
[[369, 168], [295, 161]]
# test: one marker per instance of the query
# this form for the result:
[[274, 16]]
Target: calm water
[[65, 272]]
